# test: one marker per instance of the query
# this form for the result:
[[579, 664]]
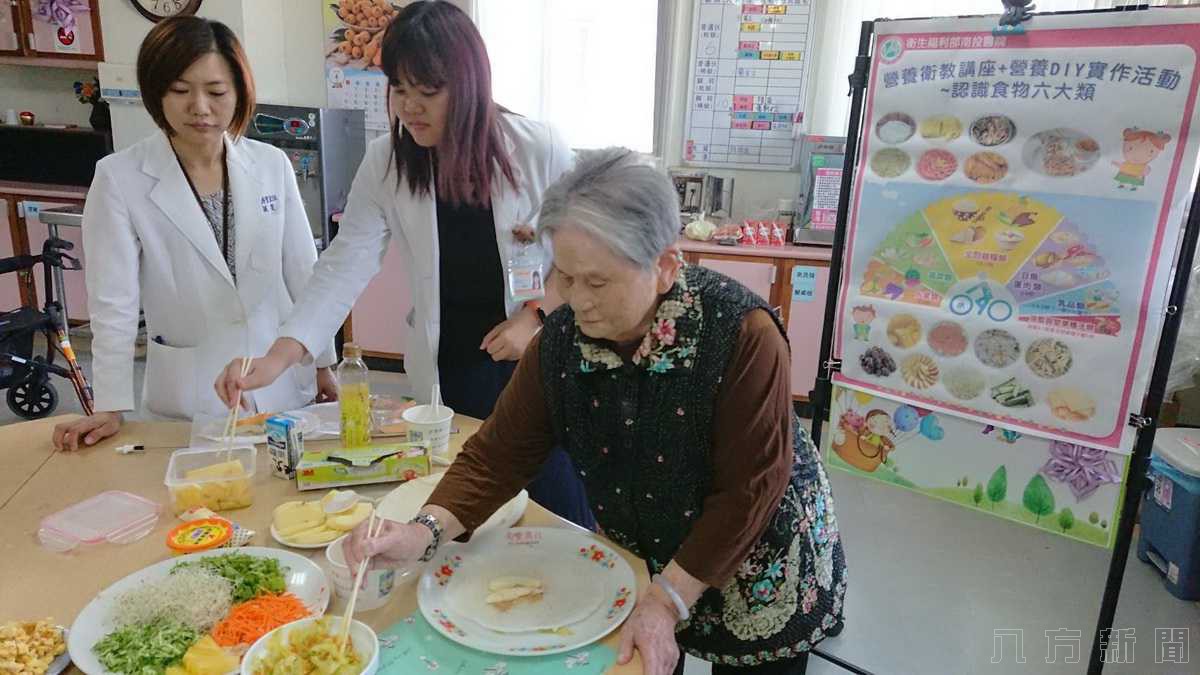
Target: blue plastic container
[[1170, 518]]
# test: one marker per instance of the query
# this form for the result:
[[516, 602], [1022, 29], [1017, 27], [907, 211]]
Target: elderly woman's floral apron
[[640, 435]]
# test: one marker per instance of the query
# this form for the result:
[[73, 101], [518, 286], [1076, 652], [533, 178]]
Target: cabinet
[[791, 280], [39, 31]]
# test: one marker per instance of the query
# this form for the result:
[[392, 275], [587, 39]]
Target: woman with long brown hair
[[456, 185]]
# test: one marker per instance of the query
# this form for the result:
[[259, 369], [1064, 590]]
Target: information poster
[[1063, 488], [827, 189], [1016, 211], [353, 78], [749, 77]]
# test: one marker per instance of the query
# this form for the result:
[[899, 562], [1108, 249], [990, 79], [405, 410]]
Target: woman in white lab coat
[[456, 185], [202, 228]]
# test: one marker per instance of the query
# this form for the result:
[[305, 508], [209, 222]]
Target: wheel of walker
[[32, 400]]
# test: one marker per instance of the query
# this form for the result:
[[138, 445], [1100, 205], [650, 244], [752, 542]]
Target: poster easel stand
[[1146, 421]]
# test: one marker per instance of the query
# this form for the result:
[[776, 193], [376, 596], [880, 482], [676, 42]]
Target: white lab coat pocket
[[170, 381]]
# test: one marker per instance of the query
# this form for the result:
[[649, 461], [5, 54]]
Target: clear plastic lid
[[116, 517]]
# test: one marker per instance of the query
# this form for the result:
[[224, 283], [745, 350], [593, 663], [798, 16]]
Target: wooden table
[[36, 481]]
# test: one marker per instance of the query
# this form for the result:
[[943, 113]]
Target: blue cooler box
[[1170, 538]]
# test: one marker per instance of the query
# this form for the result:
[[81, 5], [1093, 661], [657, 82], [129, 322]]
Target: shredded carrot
[[255, 618]]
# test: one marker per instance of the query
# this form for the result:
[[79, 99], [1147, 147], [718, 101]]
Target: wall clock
[[157, 10]]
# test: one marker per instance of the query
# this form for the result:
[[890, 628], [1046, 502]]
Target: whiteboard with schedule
[[749, 78]]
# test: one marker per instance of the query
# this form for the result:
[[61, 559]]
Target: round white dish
[[60, 663], [364, 639], [403, 503], [460, 568], [305, 579], [214, 429]]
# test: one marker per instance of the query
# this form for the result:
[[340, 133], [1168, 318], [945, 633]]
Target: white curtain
[[586, 66], [839, 44]]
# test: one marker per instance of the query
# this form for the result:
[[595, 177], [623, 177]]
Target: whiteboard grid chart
[[748, 82]]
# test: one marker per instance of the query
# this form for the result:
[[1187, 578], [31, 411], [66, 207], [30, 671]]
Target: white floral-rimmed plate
[[545, 547]]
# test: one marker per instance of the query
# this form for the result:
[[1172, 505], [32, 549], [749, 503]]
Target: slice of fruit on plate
[[310, 524]]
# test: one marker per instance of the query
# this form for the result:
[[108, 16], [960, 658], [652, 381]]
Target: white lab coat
[[379, 210], [148, 243]]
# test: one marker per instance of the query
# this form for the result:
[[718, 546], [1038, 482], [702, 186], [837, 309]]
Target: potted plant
[[89, 92]]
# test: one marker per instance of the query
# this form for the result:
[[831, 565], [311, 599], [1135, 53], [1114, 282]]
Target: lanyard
[[224, 199]]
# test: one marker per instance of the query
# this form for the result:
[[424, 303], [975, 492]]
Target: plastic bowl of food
[[295, 640], [215, 478]]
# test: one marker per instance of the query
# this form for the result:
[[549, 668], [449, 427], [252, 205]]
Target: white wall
[[123, 28], [264, 40], [46, 92], [304, 50]]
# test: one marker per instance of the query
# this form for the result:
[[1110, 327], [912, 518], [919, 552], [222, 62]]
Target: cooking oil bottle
[[354, 395]]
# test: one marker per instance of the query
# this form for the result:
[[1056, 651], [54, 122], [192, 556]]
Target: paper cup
[[380, 583], [426, 426]]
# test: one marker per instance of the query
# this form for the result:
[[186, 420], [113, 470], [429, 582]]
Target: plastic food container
[[215, 478], [115, 517]]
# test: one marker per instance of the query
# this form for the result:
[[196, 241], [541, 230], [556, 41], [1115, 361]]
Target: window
[[589, 67], [840, 43]]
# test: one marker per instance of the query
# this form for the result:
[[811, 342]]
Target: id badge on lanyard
[[526, 278]]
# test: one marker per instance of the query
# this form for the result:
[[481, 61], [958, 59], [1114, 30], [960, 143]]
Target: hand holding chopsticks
[[344, 634], [234, 411]]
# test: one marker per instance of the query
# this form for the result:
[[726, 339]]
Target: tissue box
[[341, 467]]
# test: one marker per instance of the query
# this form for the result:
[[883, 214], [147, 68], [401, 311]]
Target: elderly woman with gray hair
[[669, 387]]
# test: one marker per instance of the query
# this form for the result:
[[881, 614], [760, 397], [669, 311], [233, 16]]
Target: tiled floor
[[930, 582]]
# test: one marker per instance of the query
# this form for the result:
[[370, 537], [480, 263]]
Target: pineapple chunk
[[207, 658], [230, 469]]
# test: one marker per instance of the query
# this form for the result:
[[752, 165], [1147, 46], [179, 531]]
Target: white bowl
[[366, 643]]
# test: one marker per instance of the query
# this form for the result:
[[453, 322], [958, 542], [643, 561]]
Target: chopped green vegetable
[[251, 576], [145, 649]]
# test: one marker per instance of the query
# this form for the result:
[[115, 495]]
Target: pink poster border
[[1183, 34]]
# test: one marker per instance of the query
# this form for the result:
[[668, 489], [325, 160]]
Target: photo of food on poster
[[1060, 487], [353, 56], [1017, 207]]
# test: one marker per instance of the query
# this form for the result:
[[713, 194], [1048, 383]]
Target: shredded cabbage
[[146, 649]]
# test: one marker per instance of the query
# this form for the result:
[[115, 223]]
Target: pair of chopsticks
[[231, 423], [344, 634]]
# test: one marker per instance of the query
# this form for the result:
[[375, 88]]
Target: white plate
[[458, 567], [214, 429], [304, 579], [60, 663], [556, 569], [311, 547], [361, 635], [402, 504], [277, 537]]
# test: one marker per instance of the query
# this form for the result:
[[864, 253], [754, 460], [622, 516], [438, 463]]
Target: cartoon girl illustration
[[1139, 148], [879, 432], [863, 315]]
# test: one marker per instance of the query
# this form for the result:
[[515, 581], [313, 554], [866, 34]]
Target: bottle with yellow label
[[354, 394]]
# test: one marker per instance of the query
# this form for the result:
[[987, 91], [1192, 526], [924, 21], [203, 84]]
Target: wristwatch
[[435, 527], [537, 308]]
